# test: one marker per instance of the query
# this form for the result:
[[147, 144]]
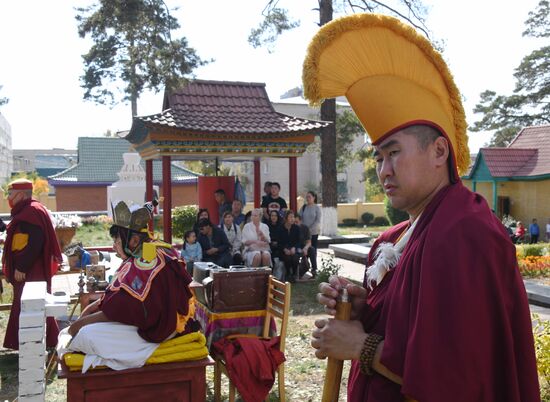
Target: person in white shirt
[[233, 233]]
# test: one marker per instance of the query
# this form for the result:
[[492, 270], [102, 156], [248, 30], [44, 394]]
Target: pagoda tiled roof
[[100, 159], [527, 156], [223, 107]]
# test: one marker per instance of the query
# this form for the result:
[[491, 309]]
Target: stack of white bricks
[[36, 305]]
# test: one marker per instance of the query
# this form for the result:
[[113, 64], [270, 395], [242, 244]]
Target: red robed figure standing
[[442, 314], [31, 254]]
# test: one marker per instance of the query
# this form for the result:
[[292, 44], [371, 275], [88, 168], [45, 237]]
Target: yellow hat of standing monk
[[20, 184], [392, 77]]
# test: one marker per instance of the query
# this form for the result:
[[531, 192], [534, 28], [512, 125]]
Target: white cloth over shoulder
[[112, 344]]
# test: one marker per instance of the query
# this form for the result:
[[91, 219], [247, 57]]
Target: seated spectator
[[520, 233], [274, 202], [214, 244], [256, 241], [191, 250], [201, 214], [233, 233], [289, 242], [305, 248], [274, 224], [237, 212], [223, 204]]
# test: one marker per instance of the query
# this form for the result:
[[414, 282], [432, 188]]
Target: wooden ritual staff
[[333, 376]]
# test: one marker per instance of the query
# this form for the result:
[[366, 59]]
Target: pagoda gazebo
[[231, 121]]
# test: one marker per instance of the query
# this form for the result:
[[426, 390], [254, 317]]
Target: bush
[[541, 333], [183, 219], [328, 269], [395, 216], [349, 222], [380, 221], [367, 218], [532, 250]]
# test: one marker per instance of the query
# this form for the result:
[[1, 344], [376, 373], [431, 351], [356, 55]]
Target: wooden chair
[[278, 306]]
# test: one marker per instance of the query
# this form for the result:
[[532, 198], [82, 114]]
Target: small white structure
[[36, 305], [130, 187]]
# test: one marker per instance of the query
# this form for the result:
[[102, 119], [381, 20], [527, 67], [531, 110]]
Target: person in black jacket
[[289, 241], [214, 244]]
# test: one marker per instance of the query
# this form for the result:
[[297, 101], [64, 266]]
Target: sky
[[40, 59]]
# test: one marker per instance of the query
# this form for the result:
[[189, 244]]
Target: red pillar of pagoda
[[167, 194], [293, 182], [257, 184], [149, 185]]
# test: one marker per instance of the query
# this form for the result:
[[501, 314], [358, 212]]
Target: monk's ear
[[441, 150]]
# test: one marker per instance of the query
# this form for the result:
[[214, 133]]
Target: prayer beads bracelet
[[367, 353]]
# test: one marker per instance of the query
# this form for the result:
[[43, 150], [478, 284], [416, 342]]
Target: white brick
[[30, 362], [32, 319], [32, 398], [33, 297], [35, 334], [31, 388], [31, 375], [33, 348], [56, 310]]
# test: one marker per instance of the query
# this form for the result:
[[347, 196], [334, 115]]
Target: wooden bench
[[177, 382]]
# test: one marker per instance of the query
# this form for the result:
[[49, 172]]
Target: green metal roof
[[100, 159]]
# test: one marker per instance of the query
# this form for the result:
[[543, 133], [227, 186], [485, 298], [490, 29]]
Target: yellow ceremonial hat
[[391, 75]]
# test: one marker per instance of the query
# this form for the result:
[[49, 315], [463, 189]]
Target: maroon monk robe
[[376, 387], [39, 260], [457, 319], [150, 297]]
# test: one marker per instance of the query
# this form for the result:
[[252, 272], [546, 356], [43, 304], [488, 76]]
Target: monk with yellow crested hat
[[31, 254], [442, 314]]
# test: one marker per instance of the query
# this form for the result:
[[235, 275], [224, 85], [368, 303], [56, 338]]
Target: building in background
[[6, 161], [515, 180], [350, 181], [83, 187], [46, 162]]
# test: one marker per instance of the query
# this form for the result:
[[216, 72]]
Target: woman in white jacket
[[256, 241]]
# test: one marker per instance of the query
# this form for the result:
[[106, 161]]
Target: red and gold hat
[[20, 184], [391, 75]]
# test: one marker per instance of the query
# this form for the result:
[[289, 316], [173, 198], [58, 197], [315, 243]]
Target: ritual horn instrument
[[333, 376]]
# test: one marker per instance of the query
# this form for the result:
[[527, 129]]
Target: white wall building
[[350, 184], [6, 155]]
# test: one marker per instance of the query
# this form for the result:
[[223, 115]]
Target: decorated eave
[[228, 120]]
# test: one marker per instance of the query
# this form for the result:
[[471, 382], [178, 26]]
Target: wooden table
[[177, 382]]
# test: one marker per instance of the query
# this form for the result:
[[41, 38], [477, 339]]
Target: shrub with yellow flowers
[[541, 332]]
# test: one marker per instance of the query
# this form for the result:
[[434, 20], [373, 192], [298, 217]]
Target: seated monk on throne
[[147, 302]]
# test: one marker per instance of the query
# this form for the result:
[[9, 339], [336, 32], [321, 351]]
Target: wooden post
[[149, 186], [257, 184], [293, 182], [167, 194]]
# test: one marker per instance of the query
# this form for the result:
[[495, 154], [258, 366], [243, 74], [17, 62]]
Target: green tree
[[530, 102], [3, 101], [277, 20], [133, 45], [373, 190], [348, 127]]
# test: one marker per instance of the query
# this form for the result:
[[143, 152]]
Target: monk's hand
[[342, 340], [19, 276], [328, 293]]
